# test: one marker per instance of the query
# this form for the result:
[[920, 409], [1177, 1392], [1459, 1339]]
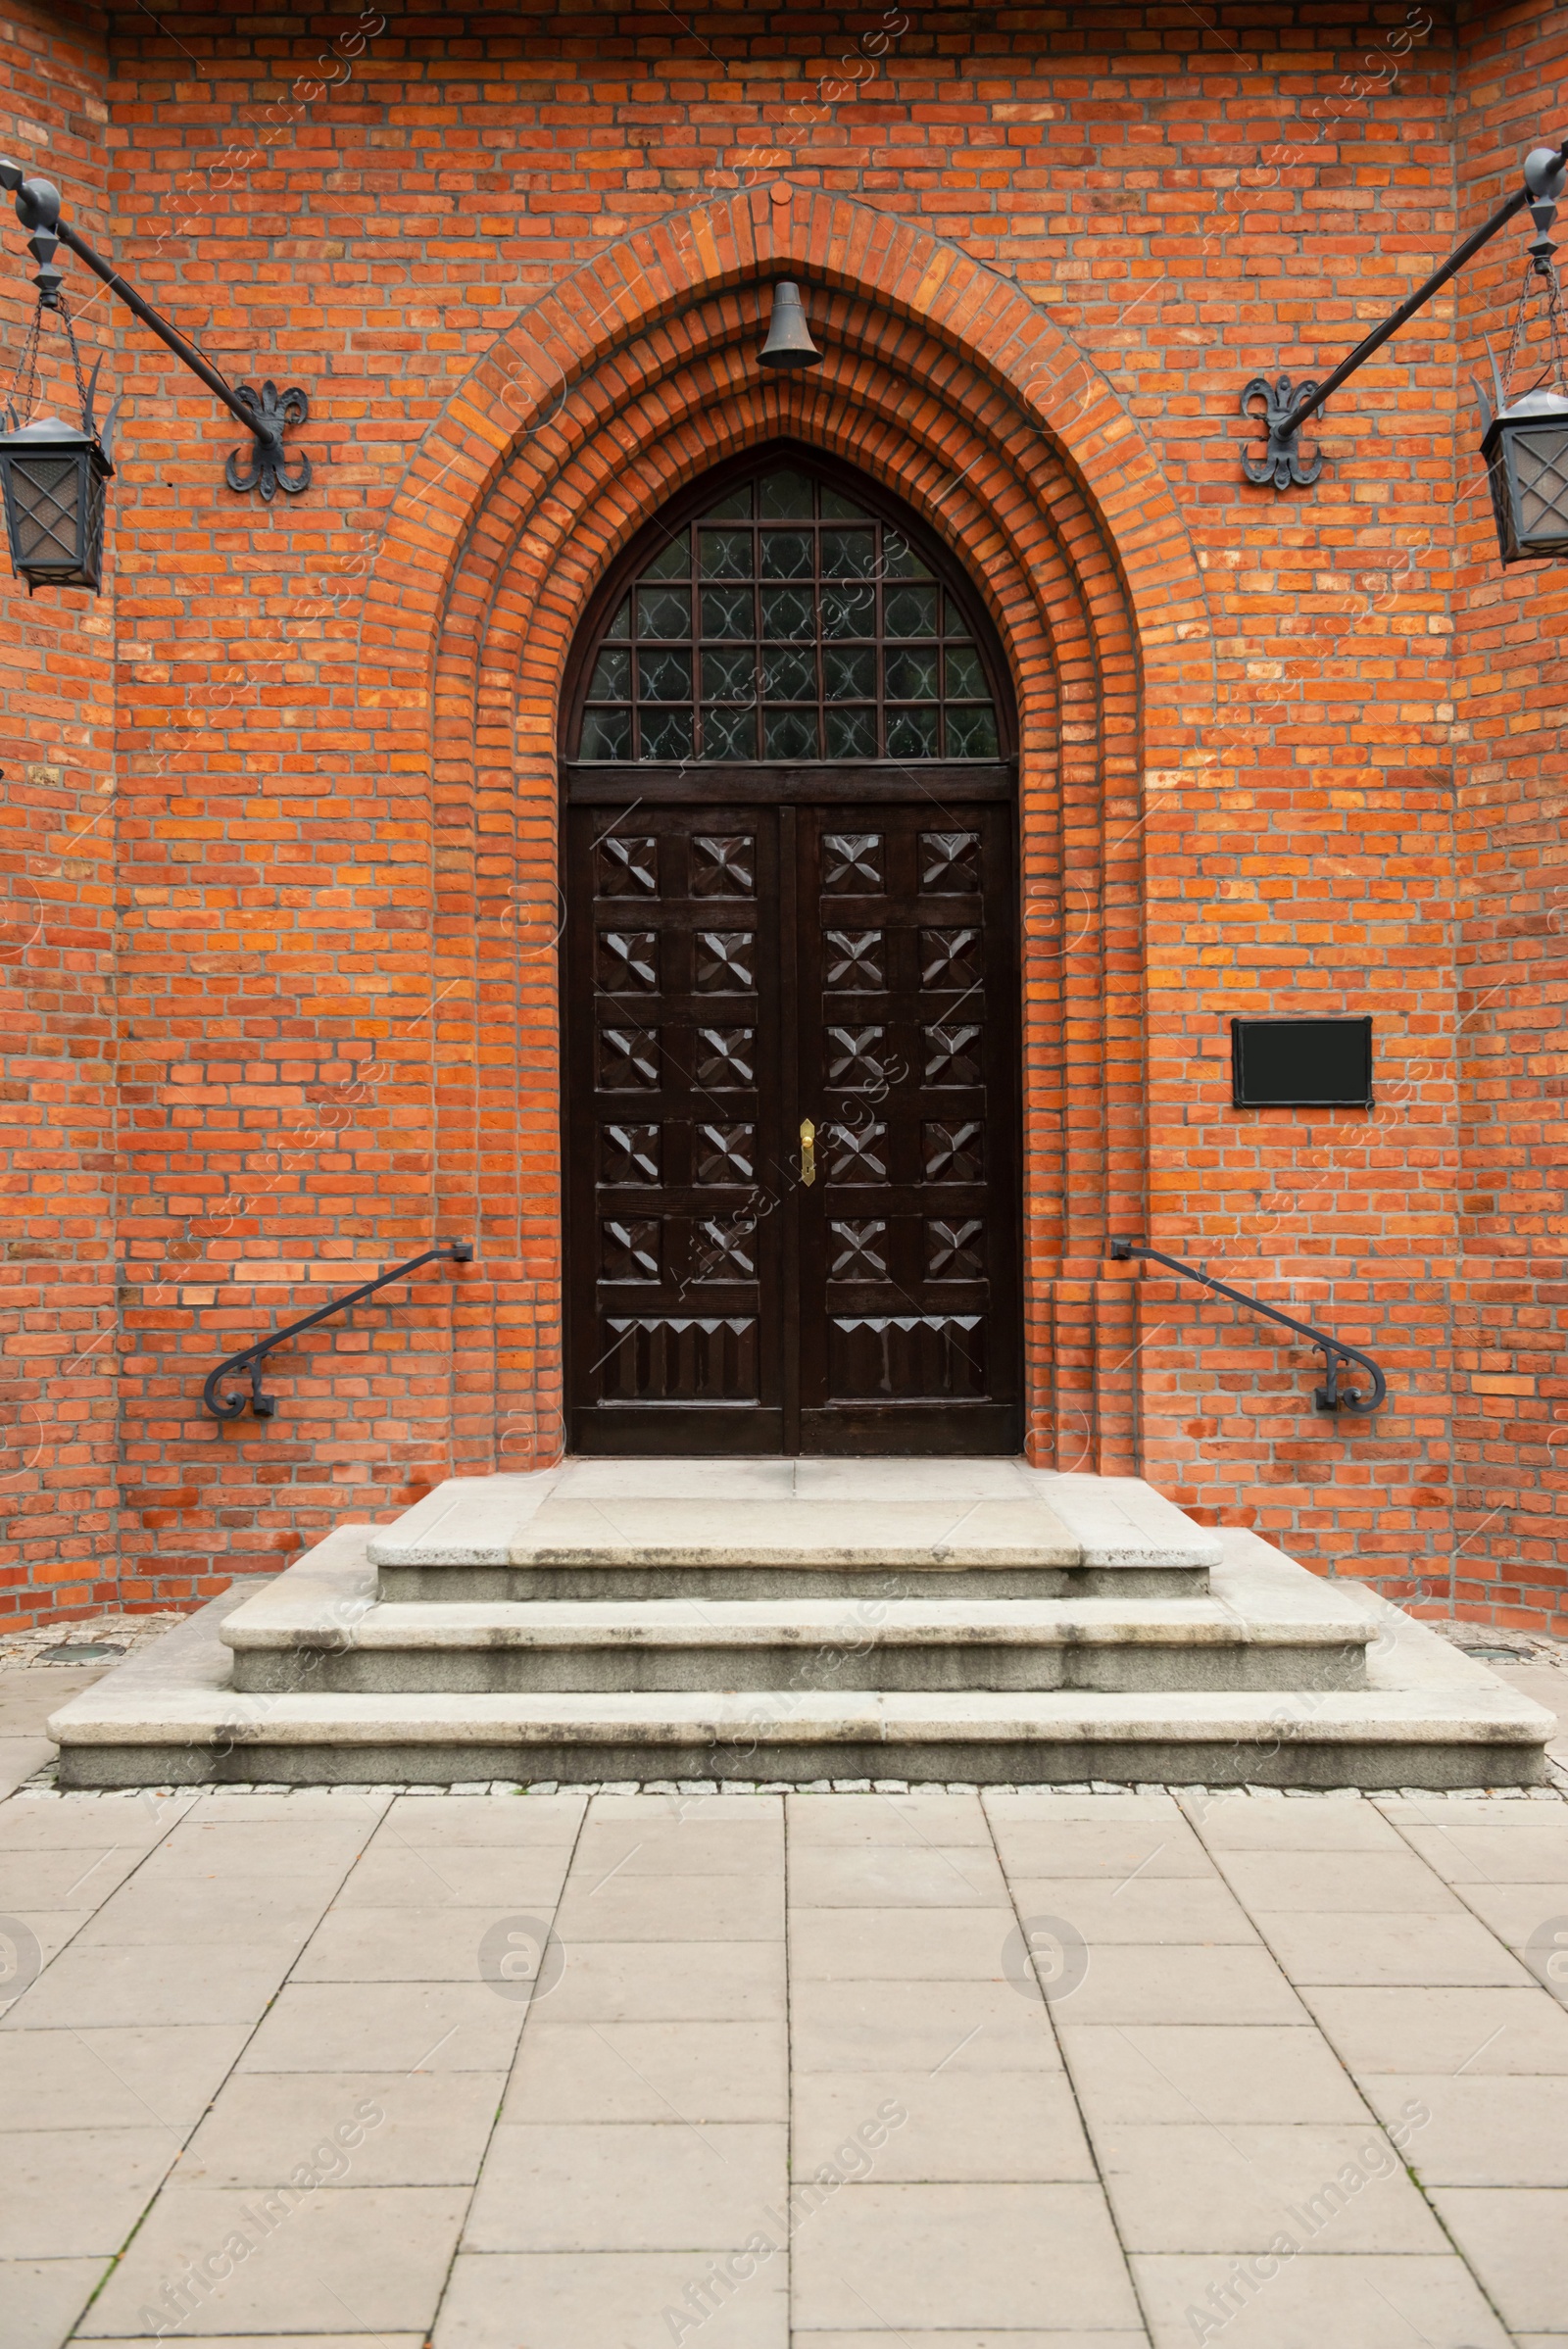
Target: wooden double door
[[792, 1131]]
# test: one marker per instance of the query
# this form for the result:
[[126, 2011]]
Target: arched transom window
[[784, 621]]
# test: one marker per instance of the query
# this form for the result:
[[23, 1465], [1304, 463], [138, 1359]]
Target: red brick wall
[[1511, 686], [58, 813], [507, 260]]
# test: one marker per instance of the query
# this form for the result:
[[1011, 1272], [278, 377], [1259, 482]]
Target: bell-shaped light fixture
[[789, 341]]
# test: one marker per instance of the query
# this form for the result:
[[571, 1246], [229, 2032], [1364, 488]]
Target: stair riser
[[574, 1585], [1122, 1668], [1298, 1762]]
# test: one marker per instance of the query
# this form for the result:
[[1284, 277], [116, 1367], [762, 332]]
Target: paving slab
[[1411, 2029], [1394, 1947], [695, 2072], [352, 2129], [954, 2257], [374, 2259], [43, 2297], [151, 1983], [1219, 2072], [70, 2193], [1199, 2187], [1486, 2129], [387, 2027], [954, 2128], [126, 2077], [880, 1944], [633, 2299], [1356, 2301], [840, 2027], [668, 2185], [1516, 2240]]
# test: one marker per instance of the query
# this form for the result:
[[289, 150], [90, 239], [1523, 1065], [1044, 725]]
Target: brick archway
[[943, 383]]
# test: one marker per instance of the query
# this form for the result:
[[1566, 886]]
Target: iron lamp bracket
[[265, 411], [1282, 461]]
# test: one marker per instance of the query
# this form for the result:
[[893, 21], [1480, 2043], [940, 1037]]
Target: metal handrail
[[262, 1406], [1330, 1396]]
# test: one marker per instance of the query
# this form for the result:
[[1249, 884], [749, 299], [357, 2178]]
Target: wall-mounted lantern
[[1525, 447], [54, 473]]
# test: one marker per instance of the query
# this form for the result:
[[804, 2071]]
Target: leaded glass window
[[787, 623]]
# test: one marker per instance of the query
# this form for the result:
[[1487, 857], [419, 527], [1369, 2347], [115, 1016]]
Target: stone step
[[651, 1530], [1428, 1717], [1265, 1624]]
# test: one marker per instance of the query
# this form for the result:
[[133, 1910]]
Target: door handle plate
[[807, 1153]]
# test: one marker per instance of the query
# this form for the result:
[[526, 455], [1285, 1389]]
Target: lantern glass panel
[[1540, 454]]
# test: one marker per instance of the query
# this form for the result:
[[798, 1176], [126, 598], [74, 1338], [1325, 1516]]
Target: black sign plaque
[[1301, 1063]]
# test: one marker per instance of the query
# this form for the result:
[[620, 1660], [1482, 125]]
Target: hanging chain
[[24, 387]]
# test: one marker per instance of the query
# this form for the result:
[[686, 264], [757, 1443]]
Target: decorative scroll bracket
[[1282, 461]]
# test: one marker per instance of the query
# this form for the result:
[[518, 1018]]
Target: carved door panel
[[909, 1253], [735, 976], [673, 1107]]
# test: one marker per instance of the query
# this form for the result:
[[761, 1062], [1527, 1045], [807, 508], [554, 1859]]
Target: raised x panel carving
[[628, 1060], [724, 1154], [726, 1059], [628, 1153], [852, 863], [725, 1248], [628, 1249], [858, 1154], [950, 863], [854, 1062], [627, 962], [954, 1249], [625, 867], [858, 1251], [951, 1150], [854, 961], [952, 1055], [949, 959], [725, 864], [724, 962]]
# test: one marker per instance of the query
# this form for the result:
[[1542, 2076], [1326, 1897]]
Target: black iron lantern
[[1526, 452], [54, 477], [1526, 444]]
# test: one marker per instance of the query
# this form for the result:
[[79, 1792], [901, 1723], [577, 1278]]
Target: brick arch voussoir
[[655, 285]]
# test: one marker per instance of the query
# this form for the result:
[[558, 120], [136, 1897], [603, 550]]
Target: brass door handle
[[807, 1152]]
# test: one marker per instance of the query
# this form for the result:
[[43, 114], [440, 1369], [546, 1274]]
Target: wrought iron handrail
[[250, 1357], [1330, 1396]]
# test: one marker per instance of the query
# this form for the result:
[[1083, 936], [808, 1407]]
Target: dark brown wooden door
[[793, 1156]]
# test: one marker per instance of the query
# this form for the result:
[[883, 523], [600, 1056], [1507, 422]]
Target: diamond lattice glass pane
[[785, 554], [664, 676], [611, 677], [837, 508], [606, 734], [621, 625], [851, 733], [910, 611], [729, 733], [966, 679], [899, 558], [849, 676], [789, 675], [666, 611], [736, 503], [674, 561], [953, 621], [728, 611], [729, 676], [912, 733], [786, 497], [726, 554], [913, 676], [848, 555], [667, 734], [848, 612], [973, 732], [788, 611], [45, 492], [788, 734]]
